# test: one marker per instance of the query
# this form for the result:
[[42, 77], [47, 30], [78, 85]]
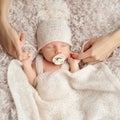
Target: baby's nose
[[58, 50]]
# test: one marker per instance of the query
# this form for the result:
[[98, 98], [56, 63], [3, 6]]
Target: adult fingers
[[90, 60], [18, 50], [77, 56], [84, 55], [22, 38], [74, 55], [88, 45], [11, 51], [15, 42], [19, 44]]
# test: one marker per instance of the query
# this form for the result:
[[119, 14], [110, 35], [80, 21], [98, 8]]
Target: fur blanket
[[89, 19], [91, 93]]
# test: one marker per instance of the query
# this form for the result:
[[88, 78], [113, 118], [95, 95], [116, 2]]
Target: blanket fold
[[23, 93]]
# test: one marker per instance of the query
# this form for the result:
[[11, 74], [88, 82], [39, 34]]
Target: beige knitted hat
[[53, 30]]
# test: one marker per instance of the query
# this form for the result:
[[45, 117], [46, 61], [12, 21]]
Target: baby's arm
[[28, 67], [74, 64]]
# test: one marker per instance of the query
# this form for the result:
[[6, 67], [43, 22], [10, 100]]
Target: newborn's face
[[61, 49]]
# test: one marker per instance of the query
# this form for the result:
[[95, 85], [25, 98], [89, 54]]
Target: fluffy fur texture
[[56, 9], [88, 20]]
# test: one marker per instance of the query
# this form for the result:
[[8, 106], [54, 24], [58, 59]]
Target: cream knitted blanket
[[91, 93]]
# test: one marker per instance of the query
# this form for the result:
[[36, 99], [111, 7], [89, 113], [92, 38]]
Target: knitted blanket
[[91, 93]]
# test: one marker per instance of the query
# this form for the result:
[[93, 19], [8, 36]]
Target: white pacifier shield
[[58, 59]]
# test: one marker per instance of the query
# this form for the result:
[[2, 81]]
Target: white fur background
[[89, 19]]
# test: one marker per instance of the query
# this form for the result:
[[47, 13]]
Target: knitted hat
[[53, 30]]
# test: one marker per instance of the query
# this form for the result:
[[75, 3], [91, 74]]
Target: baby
[[54, 44]]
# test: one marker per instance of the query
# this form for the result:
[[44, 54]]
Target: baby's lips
[[58, 59]]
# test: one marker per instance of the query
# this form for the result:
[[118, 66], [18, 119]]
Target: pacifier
[[58, 59]]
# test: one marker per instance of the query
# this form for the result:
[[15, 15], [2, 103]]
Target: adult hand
[[11, 41], [99, 49]]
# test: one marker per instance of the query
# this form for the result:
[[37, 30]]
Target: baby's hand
[[26, 58], [73, 61]]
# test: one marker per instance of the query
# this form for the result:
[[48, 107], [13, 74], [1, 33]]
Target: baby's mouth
[[58, 59]]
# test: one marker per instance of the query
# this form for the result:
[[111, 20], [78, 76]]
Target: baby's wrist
[[26, 65], [74, 65]]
